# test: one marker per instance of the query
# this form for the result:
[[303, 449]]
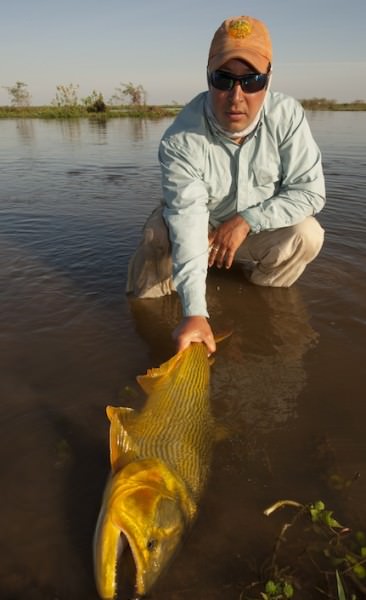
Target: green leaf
[[361, 538], [288, 590], [359, 571], [271, 587], [340, 590], [329, 520], [351, 559]]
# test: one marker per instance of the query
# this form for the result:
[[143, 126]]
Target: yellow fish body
[[159, 465]]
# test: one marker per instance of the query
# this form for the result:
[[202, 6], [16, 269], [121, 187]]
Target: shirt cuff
[[254, 218], [193, 301]]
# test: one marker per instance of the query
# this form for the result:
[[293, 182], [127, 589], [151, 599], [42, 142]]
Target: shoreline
[[145, 112]]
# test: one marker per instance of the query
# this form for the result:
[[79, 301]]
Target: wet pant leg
[[280, 256], [150, 267]]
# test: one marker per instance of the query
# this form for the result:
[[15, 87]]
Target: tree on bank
[[95, 102], [66, 95], [18, 94], [136, 94]]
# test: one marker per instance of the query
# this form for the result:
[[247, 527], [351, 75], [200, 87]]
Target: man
[[242, 180]]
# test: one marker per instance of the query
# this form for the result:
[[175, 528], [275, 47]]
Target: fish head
[[146, 511]]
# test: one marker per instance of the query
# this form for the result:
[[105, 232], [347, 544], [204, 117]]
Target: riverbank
[[71, 112], [145, 112]]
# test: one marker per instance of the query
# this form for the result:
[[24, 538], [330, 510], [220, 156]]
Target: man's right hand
[[194, 329]]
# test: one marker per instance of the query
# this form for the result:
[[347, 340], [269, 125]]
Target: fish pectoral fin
[[121, 441], [153, 377]]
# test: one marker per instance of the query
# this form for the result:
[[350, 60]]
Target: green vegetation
[[66, 104], [70, 112], [324, 104], [314, 556]]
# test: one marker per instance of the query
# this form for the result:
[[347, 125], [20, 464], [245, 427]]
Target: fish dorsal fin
[[154, 377], [122, 446]]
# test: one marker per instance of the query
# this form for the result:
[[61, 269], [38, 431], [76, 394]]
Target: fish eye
[[151, 544]]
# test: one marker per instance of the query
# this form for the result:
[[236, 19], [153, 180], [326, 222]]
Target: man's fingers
[[229, 259], [220, 256], [213, 254]]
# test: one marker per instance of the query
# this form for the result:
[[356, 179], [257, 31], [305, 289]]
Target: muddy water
[[289, 385]]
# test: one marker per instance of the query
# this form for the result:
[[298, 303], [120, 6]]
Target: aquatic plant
[[313, 553]]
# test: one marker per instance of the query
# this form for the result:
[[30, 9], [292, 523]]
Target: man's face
[[235, 109]]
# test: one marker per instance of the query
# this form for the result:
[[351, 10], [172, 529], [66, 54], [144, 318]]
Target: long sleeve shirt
[[274, 179]]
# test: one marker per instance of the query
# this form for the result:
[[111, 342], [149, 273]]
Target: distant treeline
[[67, 104], [144, 111], [72, 112], [325, 104]]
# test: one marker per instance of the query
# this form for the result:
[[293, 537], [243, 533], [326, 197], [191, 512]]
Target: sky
[[319, 46]]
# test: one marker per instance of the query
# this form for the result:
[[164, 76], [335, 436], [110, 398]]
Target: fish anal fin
[[122, 445]]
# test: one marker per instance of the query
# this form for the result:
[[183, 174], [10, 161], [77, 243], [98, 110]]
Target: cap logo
[[239, 29]]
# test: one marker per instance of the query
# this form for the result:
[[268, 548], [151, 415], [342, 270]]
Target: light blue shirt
[[274, 179]]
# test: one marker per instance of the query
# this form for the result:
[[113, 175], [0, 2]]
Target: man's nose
[[236, 92]]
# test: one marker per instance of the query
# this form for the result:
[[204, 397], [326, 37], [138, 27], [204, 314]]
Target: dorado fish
[[159, 465]]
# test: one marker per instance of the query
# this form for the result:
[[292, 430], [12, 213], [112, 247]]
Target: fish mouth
[[120, 566], [126, 572]]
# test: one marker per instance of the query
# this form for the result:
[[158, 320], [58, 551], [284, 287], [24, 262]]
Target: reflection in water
[[99, 127], [258, 383], [138, 129], [25, 129], [70, 129]]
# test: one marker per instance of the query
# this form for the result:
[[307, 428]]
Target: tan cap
[[241, 37]]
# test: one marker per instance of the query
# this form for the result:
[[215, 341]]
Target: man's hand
[[225, 240], [194, 329]]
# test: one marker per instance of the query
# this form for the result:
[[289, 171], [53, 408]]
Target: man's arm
[[186, 214]]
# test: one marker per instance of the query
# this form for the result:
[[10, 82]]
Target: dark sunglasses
[[250, 83]]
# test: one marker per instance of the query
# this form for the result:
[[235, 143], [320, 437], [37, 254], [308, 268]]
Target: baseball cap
[[244, 38]]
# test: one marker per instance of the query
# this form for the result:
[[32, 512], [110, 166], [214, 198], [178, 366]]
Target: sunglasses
[[250, 83]]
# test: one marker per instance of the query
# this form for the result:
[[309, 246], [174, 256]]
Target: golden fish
[[159, 465]]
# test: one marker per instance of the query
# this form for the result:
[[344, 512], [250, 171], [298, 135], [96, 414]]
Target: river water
[[289, 385]]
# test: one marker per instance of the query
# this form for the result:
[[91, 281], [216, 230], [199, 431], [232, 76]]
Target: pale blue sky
[[319, 45]]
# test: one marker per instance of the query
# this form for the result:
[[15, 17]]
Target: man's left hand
[[225, 240]]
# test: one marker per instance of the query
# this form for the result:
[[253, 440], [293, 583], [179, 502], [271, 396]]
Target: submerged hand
[[225, 240], [194, 329]]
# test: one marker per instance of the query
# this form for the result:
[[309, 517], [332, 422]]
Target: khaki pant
[[277, 257]]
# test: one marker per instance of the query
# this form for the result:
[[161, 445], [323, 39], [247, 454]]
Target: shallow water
[[289, 385]]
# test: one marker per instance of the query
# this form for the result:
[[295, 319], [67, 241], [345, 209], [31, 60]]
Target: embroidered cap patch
[[239, 29]]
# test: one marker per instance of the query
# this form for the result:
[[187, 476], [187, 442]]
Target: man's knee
[[310, 235], [155, 232]]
